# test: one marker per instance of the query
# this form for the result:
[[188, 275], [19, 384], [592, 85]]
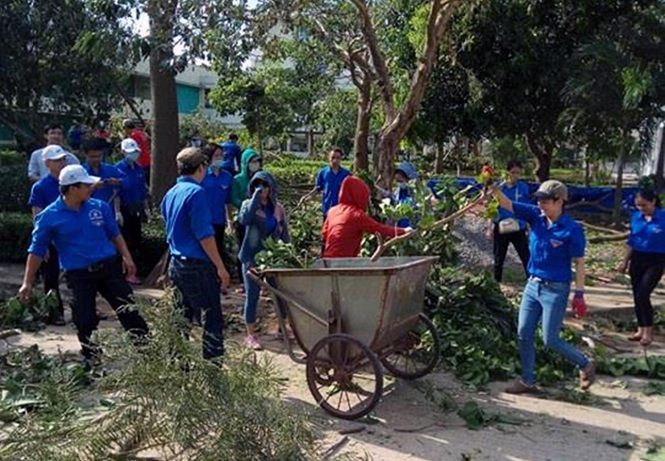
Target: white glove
[[409, 229], [119, 219]]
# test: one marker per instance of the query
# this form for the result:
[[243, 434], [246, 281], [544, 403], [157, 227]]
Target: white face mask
[[254, 166], [217, 163], [133, 156], [402, 185]]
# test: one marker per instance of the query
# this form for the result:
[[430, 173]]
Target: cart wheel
[[344, 376], [415, 354]]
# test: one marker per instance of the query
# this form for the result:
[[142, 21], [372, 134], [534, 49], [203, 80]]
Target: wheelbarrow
[[350, 316]]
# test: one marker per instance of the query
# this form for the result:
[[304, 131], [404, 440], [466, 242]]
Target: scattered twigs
[[600, 228], [332, 451], [609, 238]]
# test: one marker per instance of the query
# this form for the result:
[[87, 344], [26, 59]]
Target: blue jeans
[[199, 288], [547, 300], [252, 293]]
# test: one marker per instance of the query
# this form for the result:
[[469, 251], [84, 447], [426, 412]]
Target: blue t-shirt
[[218, 191], [519, 192], [134, 188], [82, 237], [44, 192], [330, 183], [106, 171], [552, 248], [187, 215], [232, 156], [647, 236]]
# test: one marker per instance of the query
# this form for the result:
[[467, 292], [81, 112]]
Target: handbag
[[508, 226]]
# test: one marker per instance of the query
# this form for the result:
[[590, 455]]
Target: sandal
[[635, 337], [587, 376], [645, 342]]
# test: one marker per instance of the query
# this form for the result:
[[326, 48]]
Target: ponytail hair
[[650, 195]]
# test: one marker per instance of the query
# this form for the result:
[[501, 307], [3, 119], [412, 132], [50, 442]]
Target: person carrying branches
[[556, 241], [348, 221]]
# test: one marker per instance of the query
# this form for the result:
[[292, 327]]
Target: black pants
[[131, 230], [198, 287], [51, 274], [646, 270], [240, 236], [501, 241], [105, 278]]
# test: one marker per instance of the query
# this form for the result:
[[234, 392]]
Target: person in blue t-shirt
[[195, 268], [646, 255], [329, 181], [232, 154], [134, 206], [556, 242], [85, 233], [403, 192], [108, 188], [506, 229], [43, 193], [217, 184]]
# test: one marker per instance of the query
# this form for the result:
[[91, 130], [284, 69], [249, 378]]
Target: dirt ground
[[621, 425]]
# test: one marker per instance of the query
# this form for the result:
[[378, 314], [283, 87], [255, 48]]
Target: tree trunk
[[388, 145], [164, 98], [660, 163], [361, 139], [438, 160], [618, 190], [587, 169], [310, 142], [543, 154]]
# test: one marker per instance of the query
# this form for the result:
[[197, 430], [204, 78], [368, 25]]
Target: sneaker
[[133, 280], [519, 387], [587, 376], [253, 343]]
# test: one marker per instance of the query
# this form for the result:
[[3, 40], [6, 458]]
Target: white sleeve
[[33, 164]]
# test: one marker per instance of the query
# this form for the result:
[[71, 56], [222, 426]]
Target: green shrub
[[15, 231], [15, 190], [12, 157]]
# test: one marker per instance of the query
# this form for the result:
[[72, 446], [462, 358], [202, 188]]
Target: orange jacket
[[347, 222]]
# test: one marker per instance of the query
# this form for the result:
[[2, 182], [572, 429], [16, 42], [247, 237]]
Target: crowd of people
[[87, 222]]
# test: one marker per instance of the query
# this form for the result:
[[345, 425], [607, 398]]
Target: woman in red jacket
[[347, 222]]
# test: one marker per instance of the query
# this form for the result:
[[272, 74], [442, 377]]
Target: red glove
[[579, 305]]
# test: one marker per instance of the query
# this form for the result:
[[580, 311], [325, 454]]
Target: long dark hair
[[650, 195]]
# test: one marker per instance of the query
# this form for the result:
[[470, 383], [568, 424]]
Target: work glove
[[119, 219], [579, 304]]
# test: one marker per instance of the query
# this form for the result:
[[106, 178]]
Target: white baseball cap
[[53, 152], [74, 174], [129, 145]]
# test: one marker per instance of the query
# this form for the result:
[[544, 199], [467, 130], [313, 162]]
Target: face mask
[[133, 156], [253, 167], [402, 185], [217, 163]]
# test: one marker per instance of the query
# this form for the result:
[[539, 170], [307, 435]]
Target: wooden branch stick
[[600, 228], [609, 238], [440, 223]]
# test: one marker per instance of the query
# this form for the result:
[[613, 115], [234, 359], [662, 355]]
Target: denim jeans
[[105, 278], [199, 287], [549, 301], [252, 293]]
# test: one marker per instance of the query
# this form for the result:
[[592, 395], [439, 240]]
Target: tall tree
[[50, 62]]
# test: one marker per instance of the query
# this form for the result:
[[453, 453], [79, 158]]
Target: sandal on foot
[[635, 337], [587, 376], [644, 342]]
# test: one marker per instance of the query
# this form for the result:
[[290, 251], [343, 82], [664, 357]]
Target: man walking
[[43, 193], [232, 155], [86, 236], [196, 267], [36, 167], [133, 198], [329, 181]]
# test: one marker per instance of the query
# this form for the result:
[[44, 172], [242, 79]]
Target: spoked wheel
[[344, 376], [415, 354]]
